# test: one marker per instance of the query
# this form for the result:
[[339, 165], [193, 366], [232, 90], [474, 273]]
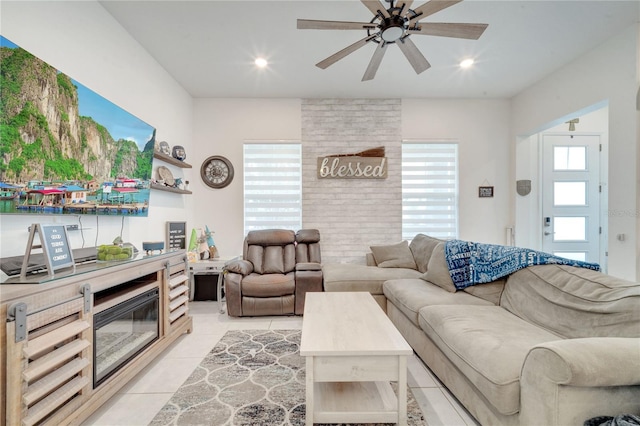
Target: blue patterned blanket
[[477, 263]]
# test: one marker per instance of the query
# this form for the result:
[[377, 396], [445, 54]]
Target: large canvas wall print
[[64, 149]]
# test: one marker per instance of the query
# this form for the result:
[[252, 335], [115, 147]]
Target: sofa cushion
[[268, 285], [394, 256], [487, 344], [357, 277], [421, 248], [272, 259], [574, 302], [438, 271], [411, 294]]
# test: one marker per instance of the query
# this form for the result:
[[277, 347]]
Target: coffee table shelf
[[355, 402]]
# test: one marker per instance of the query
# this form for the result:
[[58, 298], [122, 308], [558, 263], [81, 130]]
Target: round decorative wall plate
[[217, 171], [166, 175]]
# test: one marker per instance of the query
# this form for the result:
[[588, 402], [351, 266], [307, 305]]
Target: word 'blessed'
[[352, 167]]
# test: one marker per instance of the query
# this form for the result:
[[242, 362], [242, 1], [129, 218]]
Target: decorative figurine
[[203, 248], [213, 250], [164, 148], [179, 153]]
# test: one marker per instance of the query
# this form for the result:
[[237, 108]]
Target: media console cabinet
[[71, 341]]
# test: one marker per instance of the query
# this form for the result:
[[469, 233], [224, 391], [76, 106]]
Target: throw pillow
[[438, 271], [421, 248], [394, 256]]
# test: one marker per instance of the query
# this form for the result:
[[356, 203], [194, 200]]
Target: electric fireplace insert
[[122, 332]]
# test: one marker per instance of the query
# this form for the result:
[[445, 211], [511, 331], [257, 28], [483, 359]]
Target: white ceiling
[[209, 46]]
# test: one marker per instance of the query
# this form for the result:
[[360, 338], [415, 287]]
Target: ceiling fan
[[394, 25]]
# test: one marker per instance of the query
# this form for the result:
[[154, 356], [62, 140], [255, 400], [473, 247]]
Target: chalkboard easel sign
[[176, 235], [54, 243]]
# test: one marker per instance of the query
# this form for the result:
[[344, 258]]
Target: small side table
[[209, 267]]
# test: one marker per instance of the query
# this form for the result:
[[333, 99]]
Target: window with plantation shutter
[[429, 190], [272, 186]]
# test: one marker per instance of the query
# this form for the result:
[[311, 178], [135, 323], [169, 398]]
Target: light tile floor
[[137, 403]]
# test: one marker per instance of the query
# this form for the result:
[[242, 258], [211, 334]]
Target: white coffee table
[[353, 351]]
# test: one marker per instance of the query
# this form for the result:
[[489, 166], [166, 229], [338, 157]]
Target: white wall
[[609, 74], [481, 127], [220, 128], [84, 41]]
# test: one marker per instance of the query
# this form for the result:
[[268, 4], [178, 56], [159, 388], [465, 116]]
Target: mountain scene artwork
[[64, 149]]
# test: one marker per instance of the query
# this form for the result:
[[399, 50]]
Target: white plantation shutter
[[272, 186], [429, 190]]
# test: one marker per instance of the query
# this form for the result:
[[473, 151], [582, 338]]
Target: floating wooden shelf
[[168, 159], [170, 189]]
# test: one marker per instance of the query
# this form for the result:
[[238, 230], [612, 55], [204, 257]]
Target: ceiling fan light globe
[[392, 34]]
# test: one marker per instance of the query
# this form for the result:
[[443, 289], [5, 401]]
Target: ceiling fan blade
[[344, 52], [375, 6], [310, 24], [415, 58], [404, 5], [378, 54], [446, 29], [431, 7]]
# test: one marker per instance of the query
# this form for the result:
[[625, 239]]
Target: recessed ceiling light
[[261, 62], [466, 63]]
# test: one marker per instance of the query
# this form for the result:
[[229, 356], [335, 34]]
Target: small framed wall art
[[485, 191]]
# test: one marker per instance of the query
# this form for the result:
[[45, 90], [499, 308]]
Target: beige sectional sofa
[[548, 345]]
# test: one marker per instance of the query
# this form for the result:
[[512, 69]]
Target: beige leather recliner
[[265, 281]]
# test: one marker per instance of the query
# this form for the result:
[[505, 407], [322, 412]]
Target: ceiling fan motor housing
[[392, 28]]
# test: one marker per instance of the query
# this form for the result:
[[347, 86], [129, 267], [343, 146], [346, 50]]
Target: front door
[[571, 196]]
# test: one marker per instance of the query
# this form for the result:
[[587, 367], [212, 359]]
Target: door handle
[[547, 233]]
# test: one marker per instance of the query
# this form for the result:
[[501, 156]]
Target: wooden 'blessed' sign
[[368, 164]]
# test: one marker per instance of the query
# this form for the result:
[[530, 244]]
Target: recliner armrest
[[308, 266], [242, 267]]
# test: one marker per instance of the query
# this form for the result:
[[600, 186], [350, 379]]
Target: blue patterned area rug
[[251, 377]]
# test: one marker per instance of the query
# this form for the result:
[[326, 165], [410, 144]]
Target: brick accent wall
[[351, 214]]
